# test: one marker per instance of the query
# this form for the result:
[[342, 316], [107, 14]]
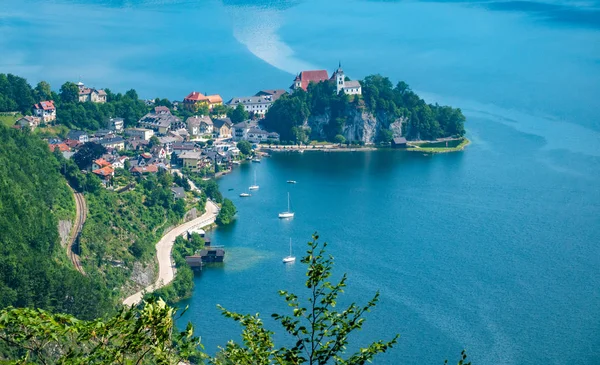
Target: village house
[[72, 143], [259, 105], [118, 143], [198, 126], [90, 94], [399, 142], [167, 143], [80, 136], [104, 173], [28, 122], [45, 110], [178, 192], [141, 133], [100, 163], [116, 124], [222, 128], [60, 146], [143, 170], [273, 93], [195, 99], [240, 131], [160, 120], [119, 162], [273, 136], [256, 135], [190, 159]]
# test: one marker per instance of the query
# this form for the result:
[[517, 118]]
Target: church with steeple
[[338, 77], [349, 87]]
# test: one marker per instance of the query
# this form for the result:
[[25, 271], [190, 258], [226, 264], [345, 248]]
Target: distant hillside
[[34, 271]]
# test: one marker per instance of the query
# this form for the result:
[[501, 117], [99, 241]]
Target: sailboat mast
[[290, 247], [289, 205]]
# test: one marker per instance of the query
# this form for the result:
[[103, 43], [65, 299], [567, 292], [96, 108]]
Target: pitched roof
[[144, 169], [161, 109], [307, 77], [247, 100], [102, 162], [73, 143], [192, 155], [113, 140], [351, 84], [105, 171], [257, 131], [75, 134], [196, 120], [213, 99], [61, 147], [218, 123], [195, 96], [274, 93], [45, 105], [399, 140], [179, 192]]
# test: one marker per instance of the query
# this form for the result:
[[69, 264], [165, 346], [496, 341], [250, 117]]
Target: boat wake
[[257, 28]]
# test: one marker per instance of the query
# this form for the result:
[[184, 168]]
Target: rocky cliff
[[360, 125]]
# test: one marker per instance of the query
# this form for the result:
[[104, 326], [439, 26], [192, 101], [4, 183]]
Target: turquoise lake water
[[495, 249]]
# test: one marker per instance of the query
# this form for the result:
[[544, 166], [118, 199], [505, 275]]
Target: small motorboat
[[291, 181], [245, 195], [256, 159]]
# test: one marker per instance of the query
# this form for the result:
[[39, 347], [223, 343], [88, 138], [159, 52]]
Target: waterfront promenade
[[166, 267]]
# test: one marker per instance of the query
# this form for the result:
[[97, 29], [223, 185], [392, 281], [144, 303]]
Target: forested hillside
[[34, 271]]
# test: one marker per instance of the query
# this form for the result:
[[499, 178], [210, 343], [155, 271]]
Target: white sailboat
[[289, 258], [254, 187], [288, 213], [245, 195]]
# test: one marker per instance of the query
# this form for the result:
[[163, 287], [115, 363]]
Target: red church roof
[[307, 77]]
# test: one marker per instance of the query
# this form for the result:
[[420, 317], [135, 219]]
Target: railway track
[[81, 215]]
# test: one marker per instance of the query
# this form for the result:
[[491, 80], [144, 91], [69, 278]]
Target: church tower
[[339, 78]]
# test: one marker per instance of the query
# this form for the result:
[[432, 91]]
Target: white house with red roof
[[45, 110]]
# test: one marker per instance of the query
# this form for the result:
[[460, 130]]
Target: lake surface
[[494, 249]]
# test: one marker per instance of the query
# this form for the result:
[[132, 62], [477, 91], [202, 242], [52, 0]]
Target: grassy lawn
[[9, 119], [439, 147]]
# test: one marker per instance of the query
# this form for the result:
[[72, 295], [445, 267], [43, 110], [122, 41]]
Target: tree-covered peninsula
[[382, 112]]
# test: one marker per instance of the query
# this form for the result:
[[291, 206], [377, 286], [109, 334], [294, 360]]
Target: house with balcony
[[198, 126], [45, 110]]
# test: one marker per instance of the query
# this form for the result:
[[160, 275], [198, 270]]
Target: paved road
[[166, 271]]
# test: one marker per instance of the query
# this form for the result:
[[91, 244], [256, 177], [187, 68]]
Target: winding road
[[80, 216], [166, 271]]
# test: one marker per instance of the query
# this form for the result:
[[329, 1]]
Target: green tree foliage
[[321, 333], [69, 92], [245, 147], [43, 91], [163, 102], [87, 153], [34, 271], [93, 116], [226, 213], [237, 115], [339, 139], [143, 335], [286, 113], [219, 110], [16, 94], [379, 96]]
